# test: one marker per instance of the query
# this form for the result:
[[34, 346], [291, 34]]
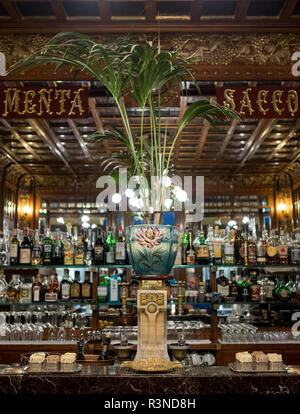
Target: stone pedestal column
[[152, 320]]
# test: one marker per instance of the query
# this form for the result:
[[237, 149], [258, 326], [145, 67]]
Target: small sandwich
[[37, 358], [68, 358]]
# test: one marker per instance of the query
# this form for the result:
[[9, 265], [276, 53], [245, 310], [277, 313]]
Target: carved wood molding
[[248, 56]]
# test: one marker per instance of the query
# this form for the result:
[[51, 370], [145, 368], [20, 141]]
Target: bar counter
[[112, 380]]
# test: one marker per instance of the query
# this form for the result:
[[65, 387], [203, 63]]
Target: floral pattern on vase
[[152, 249]]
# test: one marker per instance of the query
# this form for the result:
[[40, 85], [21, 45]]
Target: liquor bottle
[[217, 244], [110, 245], [89, 251], [261, 249], [80, 350], [201, 292], [79, 251], [47, 248], [120, 248], [262, 291], [282, 292], [252, 250], [114, 289], [13, 289], [190, 253], [239, 248], [102, 289], [99, 250], [233, 286], [75, 287], [36, 254], [202, 252], [36, 289], [185, 243], [272, 252], [282, 248], [133, 288], [269, 288], [105, 344], [45, 287], [228, 243], [3, 286], [26, 292], [57, 255], [254, 287], [86, 288], [65, 286], [25, 249], [14, 249], [51, 294], [223, 284], [210, 243], [295, 250], [68, 248], [244, 287]]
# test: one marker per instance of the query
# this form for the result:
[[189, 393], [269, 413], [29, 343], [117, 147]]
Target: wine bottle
[[25, 249], [120, 248], [99, 250], [14, 249]]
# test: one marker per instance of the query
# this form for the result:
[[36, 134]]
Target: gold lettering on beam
[[229, 98], [62, 94], [29, 107], [261, 99], [292, 102], [11, 103], [276, 99], [246, 102], [45, 100], [77, 103]]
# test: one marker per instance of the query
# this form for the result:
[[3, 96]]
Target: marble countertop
[[111, 380]]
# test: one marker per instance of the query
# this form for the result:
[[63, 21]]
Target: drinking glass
[[62, 334], [124, 337], [52, 334]]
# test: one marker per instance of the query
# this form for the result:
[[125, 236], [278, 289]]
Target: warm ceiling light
[[281, 207], [26, 210]]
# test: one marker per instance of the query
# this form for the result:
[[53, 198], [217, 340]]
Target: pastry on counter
[[260, 361], [68, 358], [244, 361], [37, 358], [275, 362]]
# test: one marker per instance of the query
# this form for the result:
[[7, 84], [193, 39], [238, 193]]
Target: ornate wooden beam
[[203, 136], [23, 142], [98, 122], [290, 135], [183, 106], [258, 136], [44, 131], [229, 135], [10, 155], [79, 139]]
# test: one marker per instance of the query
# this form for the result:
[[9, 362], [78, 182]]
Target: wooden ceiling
[[94, 16]]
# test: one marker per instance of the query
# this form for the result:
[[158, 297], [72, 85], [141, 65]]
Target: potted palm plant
[[140, 72]]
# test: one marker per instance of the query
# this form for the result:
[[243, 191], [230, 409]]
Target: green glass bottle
[[185, 244], [102, 290], [47, 248], [110, 245]]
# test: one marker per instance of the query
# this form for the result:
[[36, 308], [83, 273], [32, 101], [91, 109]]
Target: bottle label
[[86, 290], [75, 291], [102, 291], [114, 290], [13, 250], [110, 257], [36, 293], [283, 251], [120, 251], [69, 258], [47, 248], [24, 294], [252, 254], [79, 259], [255, 292], [269, 291], [51, 297], [224, 290], [190, 258], [295, 255], [25, 256], [65, 291], [217, 250], [229, 249], [202, 251], [98, 251], [271, 251]]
